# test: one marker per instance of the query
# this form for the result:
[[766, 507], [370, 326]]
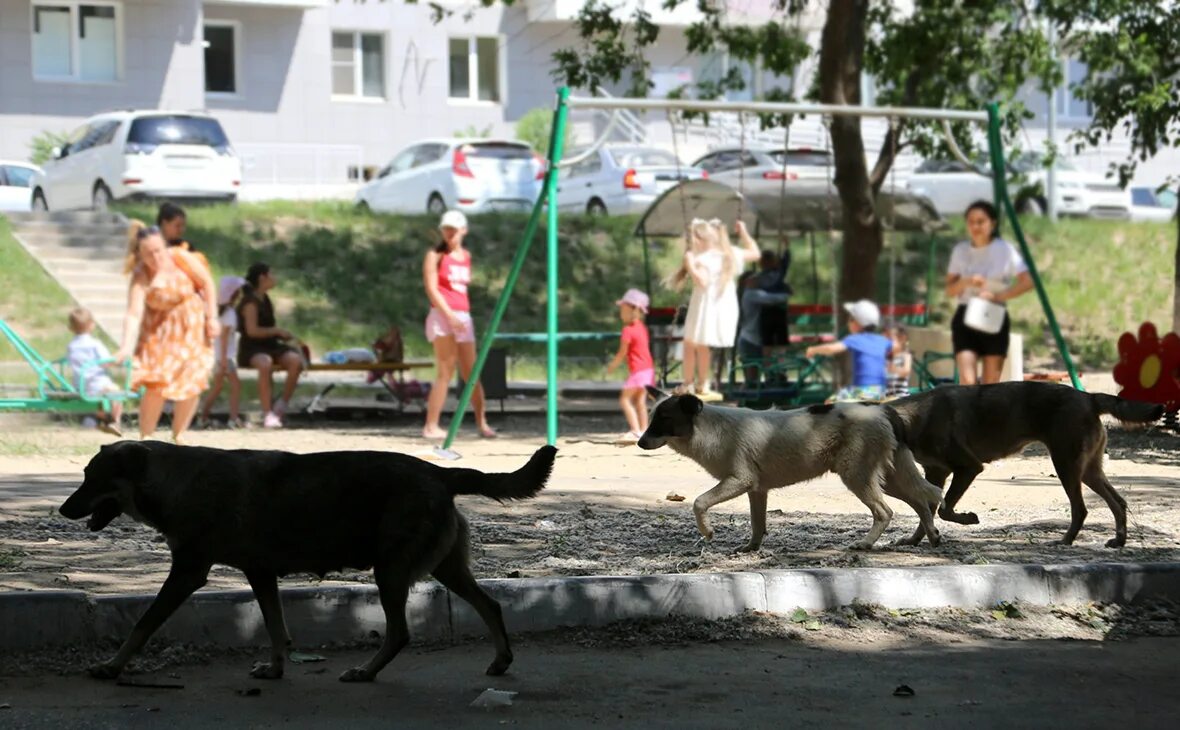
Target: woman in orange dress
[[170, 326]]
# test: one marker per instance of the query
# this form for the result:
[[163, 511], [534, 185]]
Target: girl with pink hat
[[634, 344]]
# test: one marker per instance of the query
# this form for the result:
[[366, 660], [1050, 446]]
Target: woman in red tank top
[[446, 273]]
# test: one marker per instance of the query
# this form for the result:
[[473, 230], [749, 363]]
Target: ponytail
[[135, 234]]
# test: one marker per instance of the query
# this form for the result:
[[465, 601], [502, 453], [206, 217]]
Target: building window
[[358, 64], [222, 39], [475, 69], [76, 41], [1069, 106]]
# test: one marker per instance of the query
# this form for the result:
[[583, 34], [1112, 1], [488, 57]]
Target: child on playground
[[225, 352], [901, 362], [634, 345], [870, 351], [86, 354]]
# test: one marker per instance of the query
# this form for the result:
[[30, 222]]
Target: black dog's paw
[[969, 518], [1116, 542], [266, 670], [104, 671], [357, 674], [959, 518], [499, 665]]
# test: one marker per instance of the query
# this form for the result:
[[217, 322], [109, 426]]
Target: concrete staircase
[[84, 252]]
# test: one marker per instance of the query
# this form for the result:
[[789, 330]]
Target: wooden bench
[[392, 376]]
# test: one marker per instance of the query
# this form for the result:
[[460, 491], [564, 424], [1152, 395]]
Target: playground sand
[[606, 510]]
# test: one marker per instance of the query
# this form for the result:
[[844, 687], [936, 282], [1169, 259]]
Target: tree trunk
[[840, 63]]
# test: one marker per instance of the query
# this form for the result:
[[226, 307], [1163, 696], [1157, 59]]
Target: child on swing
[[634, 345]]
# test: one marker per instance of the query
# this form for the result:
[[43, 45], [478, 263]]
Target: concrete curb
[[342, 613]]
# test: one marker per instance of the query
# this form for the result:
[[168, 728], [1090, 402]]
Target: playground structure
[[1149, 369], [55, 389], [556, 160]]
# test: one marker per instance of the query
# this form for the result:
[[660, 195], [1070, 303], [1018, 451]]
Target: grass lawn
[[345, 276]]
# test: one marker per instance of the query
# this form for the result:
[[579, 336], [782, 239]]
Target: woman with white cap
[[225, 350], [446, 273]]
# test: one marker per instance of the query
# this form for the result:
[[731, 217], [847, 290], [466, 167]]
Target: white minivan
[[134, 155]]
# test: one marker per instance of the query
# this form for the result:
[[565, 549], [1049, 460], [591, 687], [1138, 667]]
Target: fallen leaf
[[799, 616], [674, 497]]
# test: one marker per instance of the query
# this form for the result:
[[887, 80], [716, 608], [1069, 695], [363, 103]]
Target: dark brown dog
[[957, 429], [270, 514]]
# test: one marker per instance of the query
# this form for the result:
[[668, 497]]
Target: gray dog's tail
[[523, 483], [1128, 411]]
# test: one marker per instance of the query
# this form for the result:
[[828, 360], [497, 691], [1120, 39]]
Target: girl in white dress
[[713, 265]]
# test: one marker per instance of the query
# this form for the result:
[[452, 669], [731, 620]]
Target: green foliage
[[535, 127], [33, 303], [41, 146], [471, 132]]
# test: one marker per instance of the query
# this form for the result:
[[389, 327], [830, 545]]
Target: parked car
[[16, 186], [618, 179], [1148, 205], [952, 185], [137, 155], [471, 175], [733, 164]]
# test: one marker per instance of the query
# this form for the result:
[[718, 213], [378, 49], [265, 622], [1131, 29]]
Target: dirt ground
[[856, 667], [605, 511]]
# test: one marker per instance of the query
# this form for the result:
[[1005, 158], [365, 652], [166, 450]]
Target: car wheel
[[1032, 205], [362, 206], [101, 198], [436, 205], [39, 203], [596, 207]]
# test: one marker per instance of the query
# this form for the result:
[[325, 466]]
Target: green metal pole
[[646, 263], [556, 145], [1004, 203], [489, 336]]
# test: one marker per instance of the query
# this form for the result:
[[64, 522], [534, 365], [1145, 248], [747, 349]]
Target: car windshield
[[803, 158], [177, 129], [498, 151], [20, 177], [1031, 162], [1166, 199], [641, 157]]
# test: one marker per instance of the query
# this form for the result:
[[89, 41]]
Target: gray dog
[[957, 429], [270, 514], [752, 452]]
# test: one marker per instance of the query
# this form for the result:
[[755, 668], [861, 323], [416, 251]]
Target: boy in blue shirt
[[869, 349]]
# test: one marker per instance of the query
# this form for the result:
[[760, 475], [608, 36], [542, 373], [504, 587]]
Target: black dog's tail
[[1128, 411], [523, 483]]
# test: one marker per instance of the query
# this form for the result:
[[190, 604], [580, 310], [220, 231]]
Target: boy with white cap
[[870, 352], [635, 345]]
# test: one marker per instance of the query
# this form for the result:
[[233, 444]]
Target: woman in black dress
[[264, 346]]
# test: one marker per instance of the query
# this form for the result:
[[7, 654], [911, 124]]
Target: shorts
[[99, 385], [640, 379], [437, 325], [982, 344], [774, 326]]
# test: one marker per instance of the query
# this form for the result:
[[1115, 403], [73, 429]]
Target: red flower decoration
[[1149, 368]]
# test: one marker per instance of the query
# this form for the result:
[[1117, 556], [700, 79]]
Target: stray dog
[[271, 513], [752, 452], [958, 429]]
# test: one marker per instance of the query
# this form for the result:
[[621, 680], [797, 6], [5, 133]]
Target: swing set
[[892, 214]]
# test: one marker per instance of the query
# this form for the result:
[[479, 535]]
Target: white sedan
[[16, 186]]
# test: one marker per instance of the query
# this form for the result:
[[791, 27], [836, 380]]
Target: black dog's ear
[[690, 405], [132, 456], [655, 393]]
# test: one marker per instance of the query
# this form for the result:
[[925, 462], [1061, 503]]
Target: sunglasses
[[145, 232]]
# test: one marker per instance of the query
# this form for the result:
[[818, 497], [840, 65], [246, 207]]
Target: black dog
[[271, 513], [958, 429]]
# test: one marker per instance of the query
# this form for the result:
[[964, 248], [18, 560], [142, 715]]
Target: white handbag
[[984, 316]]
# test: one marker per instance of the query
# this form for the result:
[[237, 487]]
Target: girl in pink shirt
[[446, 273], [634, 344]]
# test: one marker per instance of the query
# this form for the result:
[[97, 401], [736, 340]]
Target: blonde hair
[[135, 236], [81, 320], [705, 235]]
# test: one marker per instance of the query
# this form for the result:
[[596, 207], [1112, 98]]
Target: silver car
[[733, 164], [471, 175], [620, 179]]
